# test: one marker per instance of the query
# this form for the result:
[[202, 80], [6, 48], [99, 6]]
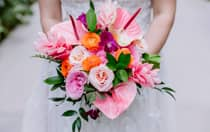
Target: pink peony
[[53, 46], [58, 41], [75, 82], [101, 78], [144, 75]]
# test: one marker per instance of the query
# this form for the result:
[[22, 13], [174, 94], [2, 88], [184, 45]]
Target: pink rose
[[101, 78], [53, 46], [75, 82], [144, 75]]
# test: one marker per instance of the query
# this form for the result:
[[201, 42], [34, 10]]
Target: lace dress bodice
[[75, 7]]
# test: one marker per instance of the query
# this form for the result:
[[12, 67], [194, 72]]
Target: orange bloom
[[124, 51], [91, 41], [65, 67], [90, 62]]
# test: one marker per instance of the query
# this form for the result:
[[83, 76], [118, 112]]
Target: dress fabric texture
[[146, 114]]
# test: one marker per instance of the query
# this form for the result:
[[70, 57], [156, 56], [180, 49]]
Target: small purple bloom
[[108, 42], [82, 19], [94, 114]]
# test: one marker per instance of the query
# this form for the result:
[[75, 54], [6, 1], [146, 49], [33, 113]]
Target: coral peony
[[65, 67], [101, 78], [144, 75], [91, 41], [90, 62], [75, 82]]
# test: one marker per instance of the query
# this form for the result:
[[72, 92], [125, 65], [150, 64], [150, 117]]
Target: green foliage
[[77, 124], [119, 67], [168, 91], [83, 114], [12, 13], [152, 59], [91, 18], [69, 113]]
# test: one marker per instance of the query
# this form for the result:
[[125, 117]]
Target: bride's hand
[[50, 12], [164, 13]]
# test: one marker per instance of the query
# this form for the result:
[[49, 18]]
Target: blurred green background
[[12, 13]]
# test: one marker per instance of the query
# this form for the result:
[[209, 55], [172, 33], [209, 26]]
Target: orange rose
[[90, 62], [124, 51], [65, 67], [91, 41]]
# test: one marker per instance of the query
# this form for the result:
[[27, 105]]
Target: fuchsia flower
[[82, 19], [144, 75], [108, 42], [75, 82], [101, 78]]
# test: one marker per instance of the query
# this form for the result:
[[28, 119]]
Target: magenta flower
[[82, 19], [75, 82], [144, 75], [108, 42]]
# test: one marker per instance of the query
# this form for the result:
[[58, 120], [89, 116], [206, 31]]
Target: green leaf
[[112, 66], [69, 113], [123, 61], [152, 59], [59, 72], [169, 89], [116, 81], [58, 99], [170, 94], [91, 19], [145, 56], [89, 88], [56, 86], [77, 124], [122, 75], [73, 101], [83, 114], [91, 97], [92, 5], [54, 80], [111, 59]]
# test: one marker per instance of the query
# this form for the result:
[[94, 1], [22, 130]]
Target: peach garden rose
[[101, 78]]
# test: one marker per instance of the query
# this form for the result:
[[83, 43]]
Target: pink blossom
[[120, 99], [59, 40], [107, 14], [101, 78], [54, 47], [144, 75], [132, 32], [75, 82]]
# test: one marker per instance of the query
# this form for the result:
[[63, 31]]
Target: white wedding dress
[[146, 114]]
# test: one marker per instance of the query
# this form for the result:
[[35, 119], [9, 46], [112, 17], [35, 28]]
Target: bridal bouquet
[[102, 62]]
